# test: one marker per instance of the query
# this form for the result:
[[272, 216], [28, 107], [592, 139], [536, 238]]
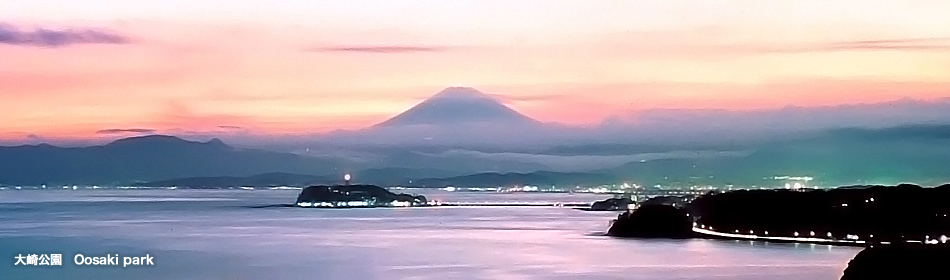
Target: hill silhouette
[[903, 261], [146, 158], [874, 213]]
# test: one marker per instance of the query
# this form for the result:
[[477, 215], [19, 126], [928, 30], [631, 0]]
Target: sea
[[247, 234]]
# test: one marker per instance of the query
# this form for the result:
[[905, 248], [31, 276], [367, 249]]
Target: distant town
[[780, 182]]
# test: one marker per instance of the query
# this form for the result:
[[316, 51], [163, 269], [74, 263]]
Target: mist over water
[[225, 234]]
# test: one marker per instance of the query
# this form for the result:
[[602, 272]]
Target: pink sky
[[291, 67]]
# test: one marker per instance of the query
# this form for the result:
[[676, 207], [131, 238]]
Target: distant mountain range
[[839, 157], [916, 153], [147, 158]]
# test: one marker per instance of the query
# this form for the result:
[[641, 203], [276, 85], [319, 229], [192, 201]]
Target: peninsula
[[859, 215]]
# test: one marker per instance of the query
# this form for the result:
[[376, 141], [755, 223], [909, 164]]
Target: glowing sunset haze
[[92, 69]]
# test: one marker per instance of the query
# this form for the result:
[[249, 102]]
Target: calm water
[[218, 234]]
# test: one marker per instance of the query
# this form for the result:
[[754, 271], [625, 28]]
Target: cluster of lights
[[599, 190], [325, 204], [851, 238], [524, 189], [796, 186]]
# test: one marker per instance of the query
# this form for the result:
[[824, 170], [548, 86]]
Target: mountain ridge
[[147, 158]]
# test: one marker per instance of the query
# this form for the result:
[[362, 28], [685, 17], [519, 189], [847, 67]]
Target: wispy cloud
[[125, 130], [909, 44], [230, 127], [51, 38], [728, 41], [932, 43], [381, 49]]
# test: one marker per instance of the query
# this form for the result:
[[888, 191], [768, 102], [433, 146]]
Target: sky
[[88, 69]]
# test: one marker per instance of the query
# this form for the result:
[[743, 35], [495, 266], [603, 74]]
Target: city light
[[356, 203], [802, 178]]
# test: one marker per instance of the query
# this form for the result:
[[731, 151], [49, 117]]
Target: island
[[355, 196]]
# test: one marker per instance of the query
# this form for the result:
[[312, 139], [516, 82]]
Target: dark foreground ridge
[[352, 196], [870, 214], [905, 261], [611, 204], [652, 221], [860, 215], [905, 228]]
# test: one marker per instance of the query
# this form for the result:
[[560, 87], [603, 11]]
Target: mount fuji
[[460, 105], [454, 117]]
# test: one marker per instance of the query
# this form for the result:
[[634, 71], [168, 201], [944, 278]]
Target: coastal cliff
[[859, 215], [870, 214], [611, 204], [652, 221]]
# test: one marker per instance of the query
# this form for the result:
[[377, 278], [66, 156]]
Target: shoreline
[[705, 233]]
